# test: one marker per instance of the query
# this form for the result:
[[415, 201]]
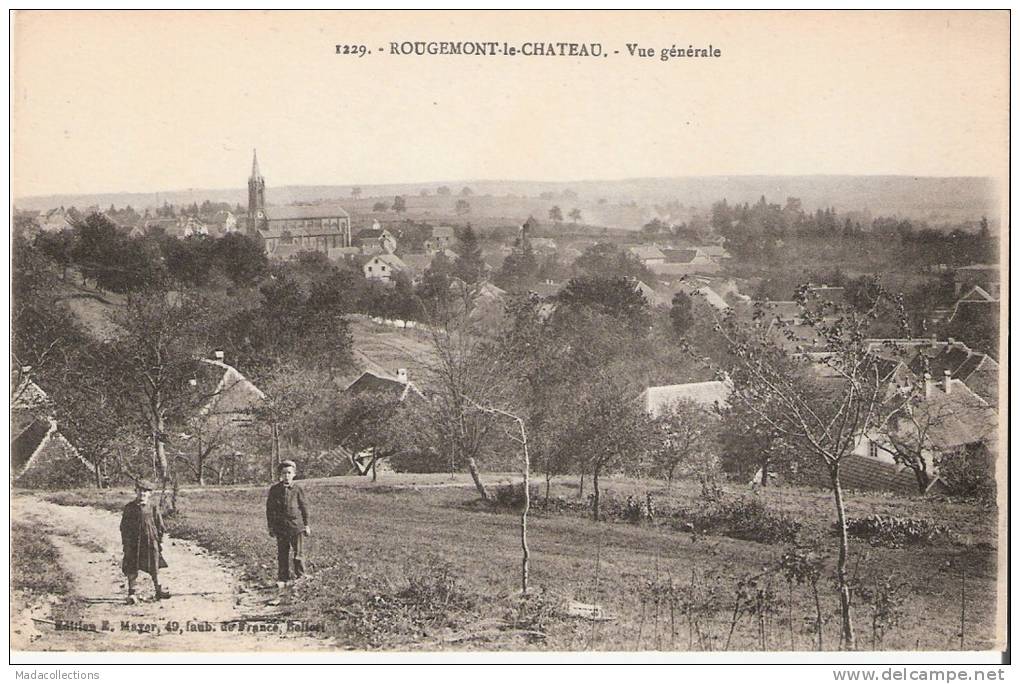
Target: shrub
[[892, 531], [748, 518], [511, 495], [969, 474]]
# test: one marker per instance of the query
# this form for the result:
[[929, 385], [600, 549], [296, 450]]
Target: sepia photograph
[[672, 334]]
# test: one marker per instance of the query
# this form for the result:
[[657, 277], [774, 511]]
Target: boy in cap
[[141, 532], [287, 515]]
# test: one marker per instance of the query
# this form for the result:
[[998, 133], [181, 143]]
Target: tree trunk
[[548, 484], [595, 489], [163, 466], [923, 480], [473, 469], [764, 473], [527, 506], [580, 486], [843, 562], [99, 475]]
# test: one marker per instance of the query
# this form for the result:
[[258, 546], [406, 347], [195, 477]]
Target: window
[[369, 269], [873, 448]]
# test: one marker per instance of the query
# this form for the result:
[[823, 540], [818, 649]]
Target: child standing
[[287, 516], [141, 532]]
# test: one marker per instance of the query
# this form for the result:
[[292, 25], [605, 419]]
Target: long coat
[[141, 531]]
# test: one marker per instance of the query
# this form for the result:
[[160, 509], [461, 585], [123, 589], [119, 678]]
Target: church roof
[[306, 211]]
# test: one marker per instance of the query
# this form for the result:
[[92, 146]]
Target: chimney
[[927, 385], [218, 354], [952, 341], [948, 381], [402, 375]]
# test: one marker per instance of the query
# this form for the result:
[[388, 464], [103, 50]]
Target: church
[[285, 231]]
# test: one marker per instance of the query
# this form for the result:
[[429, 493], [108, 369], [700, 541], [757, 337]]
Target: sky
[[149, 101]]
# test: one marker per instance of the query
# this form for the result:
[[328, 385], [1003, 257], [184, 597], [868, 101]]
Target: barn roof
[[713, 393], [295, 212]]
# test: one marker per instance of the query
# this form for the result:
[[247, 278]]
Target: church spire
[[254, 164], [256, 196]]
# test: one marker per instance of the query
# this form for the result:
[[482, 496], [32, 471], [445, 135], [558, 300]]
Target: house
[[648, 254], [977, 370], [945, 419], [716, 253], [41, 457], [681, 262], [54, 220], [375, 240], [985, 275], [653, 298], [401, 388], [542, 246], [713, 395], [385, 267], [442, 238]]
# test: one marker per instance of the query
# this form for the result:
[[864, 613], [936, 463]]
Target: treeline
[[761, 231], [112, 260]]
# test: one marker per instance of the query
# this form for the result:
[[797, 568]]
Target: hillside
[[609, 203]]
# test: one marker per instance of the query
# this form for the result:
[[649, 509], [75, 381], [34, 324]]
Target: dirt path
[[210, 608]]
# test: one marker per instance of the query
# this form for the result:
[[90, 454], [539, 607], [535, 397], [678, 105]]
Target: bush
[[969, 474], [511, 495], [747, 518], [892, 531], [419, 462]]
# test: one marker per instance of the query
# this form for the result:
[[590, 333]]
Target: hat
[[288, 464], [144, 484]]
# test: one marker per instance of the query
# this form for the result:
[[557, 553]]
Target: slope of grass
[[381, 555], [35, 567]]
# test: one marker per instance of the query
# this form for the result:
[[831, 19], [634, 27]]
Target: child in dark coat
[[141, 532], [287, 517]]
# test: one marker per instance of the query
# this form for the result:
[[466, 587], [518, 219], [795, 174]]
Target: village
[[676, 378]]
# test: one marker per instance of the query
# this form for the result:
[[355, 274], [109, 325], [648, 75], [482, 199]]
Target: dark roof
[[863, 473], [679, 256], [25, 444], [370, 234], [370, 382]]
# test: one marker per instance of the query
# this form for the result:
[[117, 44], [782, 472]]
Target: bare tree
[[821, 386]]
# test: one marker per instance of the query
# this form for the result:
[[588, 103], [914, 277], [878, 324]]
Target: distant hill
[[935, 200]]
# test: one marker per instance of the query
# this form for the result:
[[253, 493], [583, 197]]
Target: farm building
[[41, 458], [713, 394]]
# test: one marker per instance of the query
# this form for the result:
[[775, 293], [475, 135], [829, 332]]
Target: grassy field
[[34, 566], [398, 566]]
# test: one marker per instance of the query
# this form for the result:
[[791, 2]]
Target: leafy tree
[[443, 191], [466, 192], [556, 214], [684, 437], [519, 270], [58, 246], [469, 265], [189, 261], [379, 206], [615, 297], [681, 314], [575, 215], [155, 359], [463, 207], [356, 192], [399, 204], [607, 260], [241, 258], [95, 249]]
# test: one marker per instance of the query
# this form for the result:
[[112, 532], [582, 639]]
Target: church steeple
[[256, 196], [255, 164]]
